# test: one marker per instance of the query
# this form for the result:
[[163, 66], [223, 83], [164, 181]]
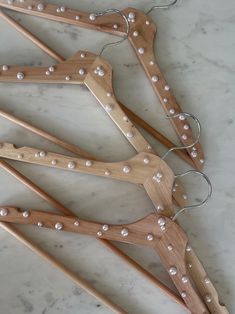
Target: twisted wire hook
[[116, 43], [165, 6], [203, 202], [188, 115]]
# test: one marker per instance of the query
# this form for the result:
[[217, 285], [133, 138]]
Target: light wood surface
[[135, 233]]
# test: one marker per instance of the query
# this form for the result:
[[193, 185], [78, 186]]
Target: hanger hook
[[203, 202], [165, 6], [98, 14], [182, 116]]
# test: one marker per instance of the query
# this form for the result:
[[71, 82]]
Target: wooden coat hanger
[[141, 36]]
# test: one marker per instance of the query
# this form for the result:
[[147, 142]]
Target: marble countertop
[[195, 49]]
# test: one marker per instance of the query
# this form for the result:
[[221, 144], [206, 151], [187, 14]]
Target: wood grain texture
[[135, 233]]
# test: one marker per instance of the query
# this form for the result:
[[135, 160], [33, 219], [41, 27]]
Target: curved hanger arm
[[141, 36], [154, 230]]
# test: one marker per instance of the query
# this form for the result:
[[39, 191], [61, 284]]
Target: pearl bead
[[5, 67], [89, 163], [101, 72], [42, 154], [184, 137], [4, 212], [147, 23], [54, 162], [161, 221], [185, 197], [77, 17], [188, 248], [165, 100], [157, 177], [25, 214], [208, 298], [107, 173], [167, 87], [109, 94], [131, 15], [37, 155], [82, 55], [172, 111], [202, 161], [115, 26], [76, 223], [40, 7], [135, 34], [170, 247], [184, 279], [141, 50], [58, 10], [99, 234], [130, 134], [68, 78], [149, 147], [58, 226], [126, 169], [71, 165], [146, 160], [20, 156], [109, 107], [40, 224], [20, 75], [186, 127], [173, 271], [183, 295], [190, 265], [48, 73], [81, 71], [92, 17], [125, 232], [207, 280], [151, 62], [51, 69], [182, 117], [150, 237], [194, 154], [160, 208], [62, 9], [154, 78], [105, 227]]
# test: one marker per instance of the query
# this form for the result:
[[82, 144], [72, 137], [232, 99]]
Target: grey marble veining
[[195, 48]]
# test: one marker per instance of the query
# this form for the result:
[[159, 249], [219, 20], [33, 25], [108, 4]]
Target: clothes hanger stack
[[159, 230]]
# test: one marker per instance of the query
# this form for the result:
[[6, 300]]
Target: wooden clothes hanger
[[141, 36]]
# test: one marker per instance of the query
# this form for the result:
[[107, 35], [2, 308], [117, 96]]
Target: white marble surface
[[195, 48]]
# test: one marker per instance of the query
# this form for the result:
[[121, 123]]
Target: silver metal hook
[[165, 6], [203, 202], [182, 116], [127, 28]]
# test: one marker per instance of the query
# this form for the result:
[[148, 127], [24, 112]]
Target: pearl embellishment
[[141, 50], [20, 76], [154, 78], [58, 226], [92, 17], [150, 237], [25, 214], [5, 67], [173, 271], [4, 212], [71, 165], [125, 232], [40, 7], [126, 169]]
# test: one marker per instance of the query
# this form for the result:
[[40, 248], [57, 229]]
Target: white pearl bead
[[68, 78], [146, 160], [184, 279], [99, 234], [188, 248], [130, 134], [160, 208], [135, 34], [190, 265], [4, 212], [20, 156], [40, 224], [40, 7], [186, 127], [82, 55], [182, 117], [194, 154], [185, 197], [172, 111], [92, 17], [154, 78], [151, 62], [125, 119], [107, 173], [105, 227], [167, 87], [170, 247], [42, 154], [54, 162], [101, 72], [147, 22], [202, 161], [109, 94], [183, 295], [208, 298], [89, 163], [81, 71], [25, 214], [125, 232], [58, 226], [161, 221], [48, 73], [150, 237], [62, 9], [71, 165], [5, 67], [131, 15], [115, 26], [173, 271], [207, 280], [126, 169], [184, 137], [109, 107], [165, 100], [20, 75], [51, 69], [37, 155], [76, 223], [58, 10], [141, 50], [77, 17]]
